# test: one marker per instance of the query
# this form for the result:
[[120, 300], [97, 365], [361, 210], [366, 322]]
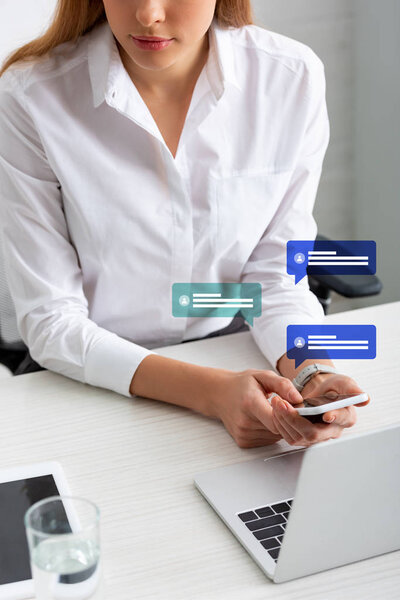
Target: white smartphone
[[313, 408]]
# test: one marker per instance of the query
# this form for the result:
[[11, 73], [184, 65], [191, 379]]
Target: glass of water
[[64, 544]]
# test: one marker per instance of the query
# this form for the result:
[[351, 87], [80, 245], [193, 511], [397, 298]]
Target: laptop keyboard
[[268, 524]]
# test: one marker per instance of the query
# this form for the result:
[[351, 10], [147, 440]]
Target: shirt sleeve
[[283, 302], [42, 266]]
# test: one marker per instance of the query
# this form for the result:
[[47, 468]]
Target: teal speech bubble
[[216, 300]]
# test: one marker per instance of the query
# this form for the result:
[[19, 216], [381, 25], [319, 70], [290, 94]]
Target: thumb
[[282, 386], [263, 412]]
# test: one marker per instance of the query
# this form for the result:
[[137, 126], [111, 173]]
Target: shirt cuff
[[112, 362], [271, 337]]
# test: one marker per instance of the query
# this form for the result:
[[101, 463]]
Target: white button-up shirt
[[98, 219]]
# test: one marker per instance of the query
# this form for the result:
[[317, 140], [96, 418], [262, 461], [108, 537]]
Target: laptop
[[309, 510]]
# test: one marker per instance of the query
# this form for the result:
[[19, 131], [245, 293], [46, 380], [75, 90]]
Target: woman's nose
[[150, 11]]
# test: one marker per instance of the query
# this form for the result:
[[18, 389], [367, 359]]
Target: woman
[[129, 165]]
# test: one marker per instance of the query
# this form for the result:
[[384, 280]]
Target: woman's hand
[[298, 431], [241, 404]]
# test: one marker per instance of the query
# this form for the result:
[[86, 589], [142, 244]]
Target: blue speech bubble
[[305, 342], [330, 257], [216, 300]]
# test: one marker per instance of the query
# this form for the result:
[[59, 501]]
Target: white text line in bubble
[[223, 306], [208, 295], [338, 347], [340, 342], [361, 264], [196, 303], [333, 259], [322, 252], [224, 299]]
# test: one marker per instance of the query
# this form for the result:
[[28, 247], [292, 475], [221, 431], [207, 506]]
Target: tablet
[[20, 487]]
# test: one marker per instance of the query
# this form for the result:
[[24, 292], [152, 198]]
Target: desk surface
[[136, 459]]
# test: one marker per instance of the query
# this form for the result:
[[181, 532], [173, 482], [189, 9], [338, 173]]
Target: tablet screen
[[15, 499]]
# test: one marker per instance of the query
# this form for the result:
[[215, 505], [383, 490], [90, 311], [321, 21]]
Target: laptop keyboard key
[[271, 543], [248, 516], [281, 507], [266, 522], [274, 553], [264, 512], [264, 534]]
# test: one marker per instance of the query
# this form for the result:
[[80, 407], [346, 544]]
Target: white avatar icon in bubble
[[184, 300], [299, 342], [299, 258]]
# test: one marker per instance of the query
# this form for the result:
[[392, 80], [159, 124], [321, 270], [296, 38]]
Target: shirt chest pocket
[[245, 206]]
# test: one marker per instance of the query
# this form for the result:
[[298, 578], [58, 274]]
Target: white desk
[[136, 459]]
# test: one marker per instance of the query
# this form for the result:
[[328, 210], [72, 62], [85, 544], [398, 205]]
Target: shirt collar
[[105, 65], [221, 67]]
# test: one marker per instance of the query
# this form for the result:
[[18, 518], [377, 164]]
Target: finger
[[281, 385], [291, 431], [308, 433], [283, 431], [262, 413], [344, 417], [281, 411], [364, 403], [303, 427], [341, 384], [349, 388], [331, 415]]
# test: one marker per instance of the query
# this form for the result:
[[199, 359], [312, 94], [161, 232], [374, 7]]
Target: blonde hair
[[74, 18]]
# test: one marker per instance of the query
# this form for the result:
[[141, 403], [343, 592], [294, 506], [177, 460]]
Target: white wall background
[[358, 197], [327, 26], [377, 135], [21, 21]]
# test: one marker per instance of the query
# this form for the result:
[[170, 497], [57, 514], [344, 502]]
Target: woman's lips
[[151, 44]]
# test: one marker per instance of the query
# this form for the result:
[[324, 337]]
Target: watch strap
[[308, 372]]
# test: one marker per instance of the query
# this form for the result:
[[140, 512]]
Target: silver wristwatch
[[307, 373]]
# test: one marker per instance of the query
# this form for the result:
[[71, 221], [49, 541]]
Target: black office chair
[[14, 354], [12, 349]]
